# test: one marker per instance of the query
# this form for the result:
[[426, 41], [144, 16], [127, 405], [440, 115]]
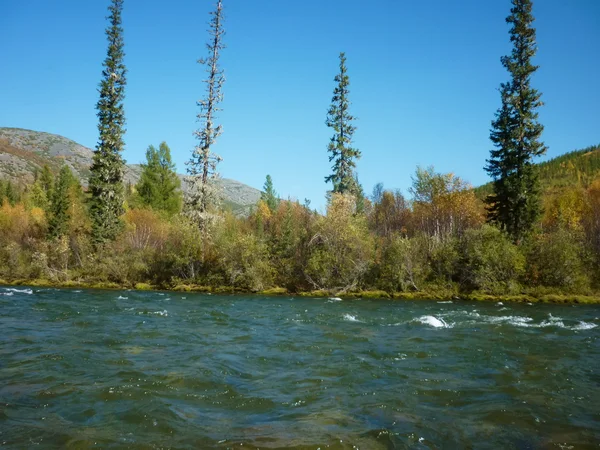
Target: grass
[[542, 297]]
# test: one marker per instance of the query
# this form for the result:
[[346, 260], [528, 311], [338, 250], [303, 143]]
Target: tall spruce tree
[[269, 194], [340, 147], [106, 179], [202, 194], [515, 204], [58, 220], [159, 185]]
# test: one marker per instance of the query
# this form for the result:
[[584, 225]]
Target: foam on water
[[122, 298], [335, 299], [584, 326], [350, 318], [512, 320], [434, 322], [528, 322], [8, 294], [20, 291], [447, 301], [163, 313]]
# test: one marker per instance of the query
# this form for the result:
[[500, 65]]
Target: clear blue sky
[[424, 78]]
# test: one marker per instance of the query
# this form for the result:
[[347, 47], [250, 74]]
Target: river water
[[96, 369]]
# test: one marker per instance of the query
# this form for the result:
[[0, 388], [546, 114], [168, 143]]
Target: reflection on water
[[97, 369]]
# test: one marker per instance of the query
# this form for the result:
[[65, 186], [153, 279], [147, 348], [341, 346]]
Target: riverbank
[[537, 297]]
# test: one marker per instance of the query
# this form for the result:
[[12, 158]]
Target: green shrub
[[557, 260], [490, 262]]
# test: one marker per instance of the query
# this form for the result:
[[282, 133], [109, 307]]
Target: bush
[[557, 260], [404, 264], [490, 262], [341, 251]]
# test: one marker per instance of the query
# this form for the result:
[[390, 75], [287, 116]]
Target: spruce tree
[[11, 194], [515, 204], [58, 221], [340, 147], [106, 179], [46, 179], [37, 196], [159, 185], [269, 195], [202, 192]]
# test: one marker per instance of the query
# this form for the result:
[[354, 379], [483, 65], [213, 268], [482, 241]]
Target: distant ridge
[[22, 152]]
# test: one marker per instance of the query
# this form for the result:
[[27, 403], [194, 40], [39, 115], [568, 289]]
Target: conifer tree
[[10, 194], [46, 179], [340, 147], [106, 179], [202, 193], [159, 186], [58, 221], [516, 132], [37, 196], [269, 195]]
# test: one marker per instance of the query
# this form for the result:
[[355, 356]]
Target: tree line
[[442, 238]]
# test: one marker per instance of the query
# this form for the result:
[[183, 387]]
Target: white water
[[350, 318], [20, 291], [434, 322]]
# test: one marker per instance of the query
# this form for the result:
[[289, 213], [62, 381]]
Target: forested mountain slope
[[576, 168]]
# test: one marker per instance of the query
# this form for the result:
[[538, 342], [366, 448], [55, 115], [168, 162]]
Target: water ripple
[[81, 369]]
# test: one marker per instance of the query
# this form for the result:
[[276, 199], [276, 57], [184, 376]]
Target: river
[[122, 369]]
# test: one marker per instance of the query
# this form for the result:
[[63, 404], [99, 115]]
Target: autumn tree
[[202, 192], [390, 212], [340, 149], [443, 204], [516, 132], [106, 178], [159, 185]]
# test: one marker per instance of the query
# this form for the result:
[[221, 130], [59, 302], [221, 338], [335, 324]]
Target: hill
[[23, 152], [576, 168]]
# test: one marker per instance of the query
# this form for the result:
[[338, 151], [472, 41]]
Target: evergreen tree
[[202, 193], [106, 179], [359, 194], [46, 179], [37, 196], [58, 221], [515, 204], [159, 186], [10, 194], [340, 147], [269, 195]]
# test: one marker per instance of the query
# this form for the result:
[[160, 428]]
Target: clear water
[[97, 369]]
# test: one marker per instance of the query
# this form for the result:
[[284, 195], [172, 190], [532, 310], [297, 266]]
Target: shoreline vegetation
[[532, 298]]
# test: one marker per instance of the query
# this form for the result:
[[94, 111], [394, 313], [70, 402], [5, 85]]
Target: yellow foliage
[[262, 210], [145, 229], [565, 210], [17, 223]]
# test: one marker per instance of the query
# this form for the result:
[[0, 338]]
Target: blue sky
[[424, 80]]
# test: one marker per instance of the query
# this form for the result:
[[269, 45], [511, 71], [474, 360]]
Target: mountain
[[576, 168], [23, 152]]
